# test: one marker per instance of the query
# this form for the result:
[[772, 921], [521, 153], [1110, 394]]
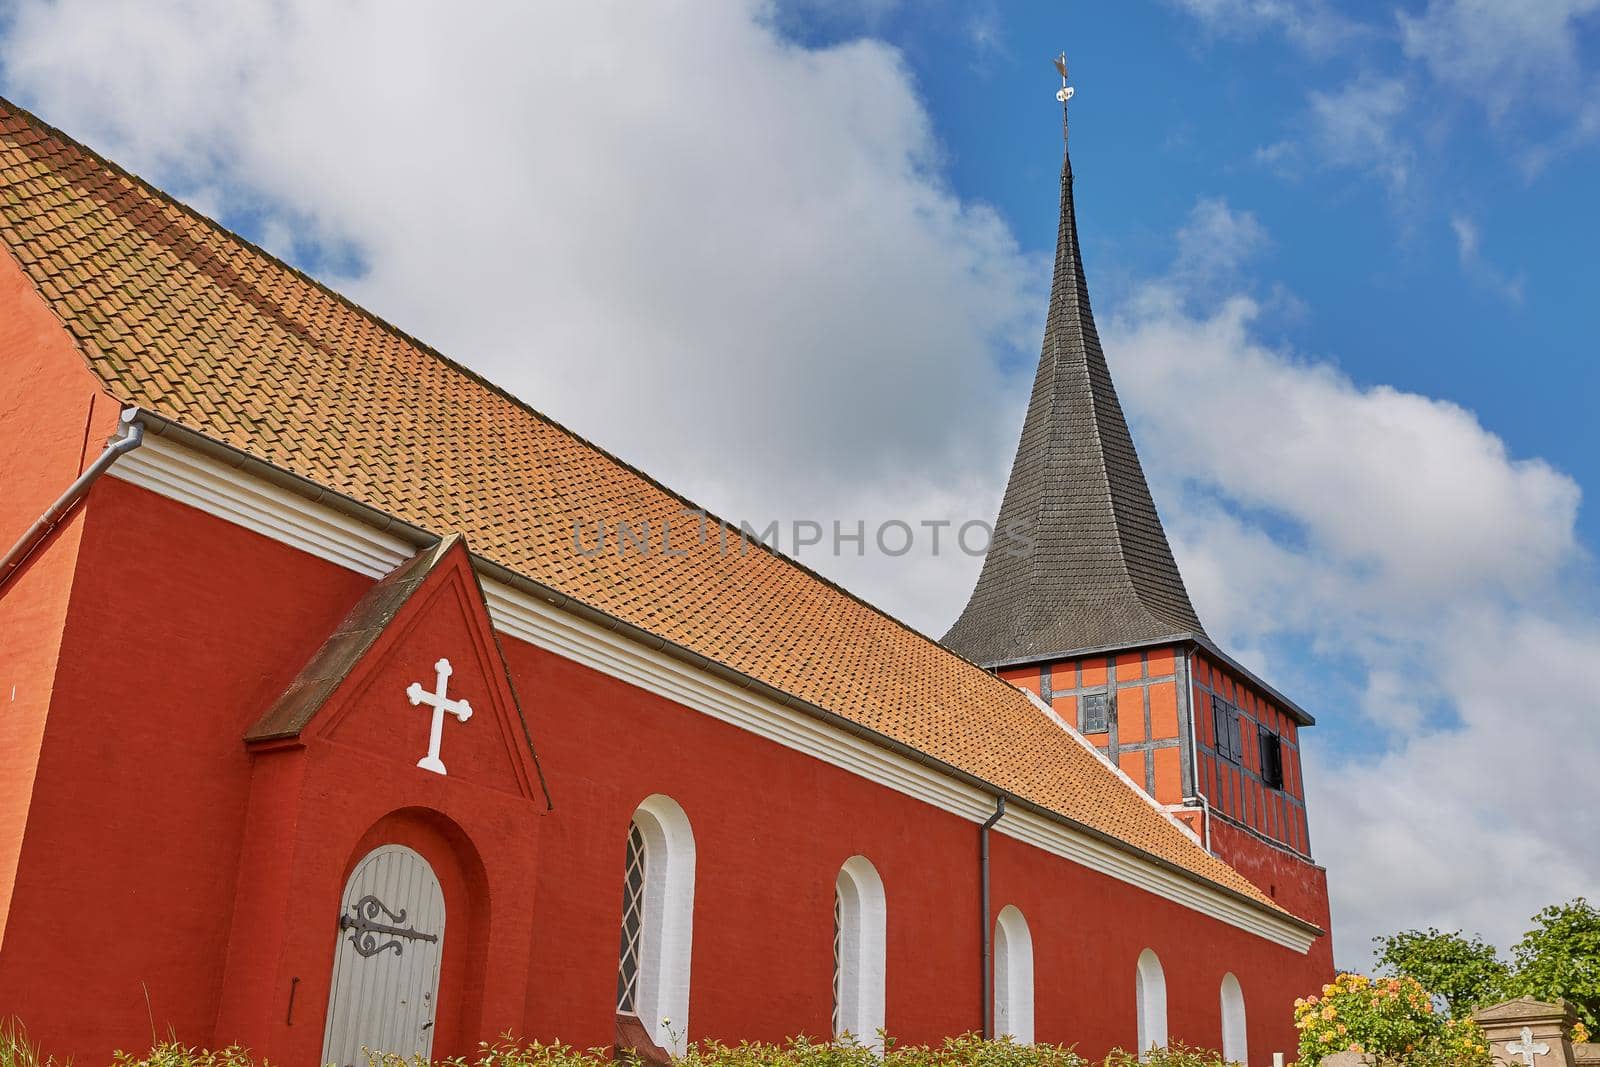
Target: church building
[[322, 730]]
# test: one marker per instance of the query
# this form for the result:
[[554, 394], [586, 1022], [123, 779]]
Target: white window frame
[[662, 999], [1013, 976], [1150, 999], [1235, 1036], [860, 988]]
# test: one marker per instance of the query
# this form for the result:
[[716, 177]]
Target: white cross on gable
[[1528, 1048], [441, 705]]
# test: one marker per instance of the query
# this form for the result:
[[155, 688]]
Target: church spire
[[1079, 559]]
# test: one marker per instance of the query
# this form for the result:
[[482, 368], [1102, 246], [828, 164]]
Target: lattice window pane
[[1096, 713], [632, 923], [838, 956]]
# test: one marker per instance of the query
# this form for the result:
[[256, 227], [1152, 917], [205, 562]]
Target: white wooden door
[[386, 959]]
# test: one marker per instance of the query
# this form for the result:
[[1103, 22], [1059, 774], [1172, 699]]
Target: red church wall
[[772, 828], [54, 417], [50, 425], [184, 628], [1259, 830], [181, 631], [33, 613], [1294, 882]]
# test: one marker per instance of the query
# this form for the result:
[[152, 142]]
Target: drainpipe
[[988, 930], [1194, 745], [128, 437]]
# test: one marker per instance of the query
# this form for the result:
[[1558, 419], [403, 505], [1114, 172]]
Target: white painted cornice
[[229, 492]]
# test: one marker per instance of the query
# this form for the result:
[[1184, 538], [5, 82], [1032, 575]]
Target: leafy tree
[[1560, 957], [1466, 971]]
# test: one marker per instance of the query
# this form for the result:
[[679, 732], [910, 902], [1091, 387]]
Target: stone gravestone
[[1529, 1033], [1346, 1059]]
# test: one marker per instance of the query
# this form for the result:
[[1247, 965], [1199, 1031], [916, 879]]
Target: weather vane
[[1065, 93]]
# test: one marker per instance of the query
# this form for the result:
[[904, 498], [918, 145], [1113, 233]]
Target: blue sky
[[793, 261], [1173, 106]]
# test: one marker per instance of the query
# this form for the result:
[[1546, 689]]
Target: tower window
[[1225, 730], [1271, 759], [1096, 718]]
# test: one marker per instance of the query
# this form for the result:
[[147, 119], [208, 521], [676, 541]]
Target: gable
[[419, 640]]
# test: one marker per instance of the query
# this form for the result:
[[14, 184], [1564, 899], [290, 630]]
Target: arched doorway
[[386, 959]]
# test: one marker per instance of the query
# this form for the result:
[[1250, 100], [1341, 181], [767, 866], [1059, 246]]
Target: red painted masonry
[[165, 870]]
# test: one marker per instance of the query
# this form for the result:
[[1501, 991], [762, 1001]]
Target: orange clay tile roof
[[178, 316]]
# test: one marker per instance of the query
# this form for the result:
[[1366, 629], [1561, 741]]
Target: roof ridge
[[434, 353]]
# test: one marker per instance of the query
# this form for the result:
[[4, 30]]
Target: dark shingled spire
[[1100, 572]]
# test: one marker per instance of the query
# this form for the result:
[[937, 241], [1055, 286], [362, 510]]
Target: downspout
[[129, 436], [988, 930]]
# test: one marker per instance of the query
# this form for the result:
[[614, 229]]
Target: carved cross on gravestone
[[441, 704], [1528, 1048]]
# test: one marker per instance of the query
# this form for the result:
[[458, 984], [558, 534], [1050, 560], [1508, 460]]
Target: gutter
[[237, 459], [129, 436]]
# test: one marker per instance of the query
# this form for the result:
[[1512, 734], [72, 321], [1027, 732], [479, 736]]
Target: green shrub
[[1175, 1055], [172, 1054], [16, 1050], [1391, 1020], [505, 1053], [968, 1050]]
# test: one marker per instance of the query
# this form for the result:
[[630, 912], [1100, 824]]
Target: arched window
[[657, 921], [1151, 999], [1013, 976], [859, 919], [1234, 1046]]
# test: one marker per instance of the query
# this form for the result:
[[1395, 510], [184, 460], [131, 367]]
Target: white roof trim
[[179, 473], [1072, 731]]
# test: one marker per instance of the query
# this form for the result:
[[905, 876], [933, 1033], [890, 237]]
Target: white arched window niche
[[1150, 997], [1235, 1047], [859, 920], [657, 921], [1013, 976]]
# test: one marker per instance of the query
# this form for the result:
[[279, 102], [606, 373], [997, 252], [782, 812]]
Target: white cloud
[[1358, 126], [1214, 243], [1311, 25], [1469, 251], [1394, 540], [1502, 53], [1524, 63], [671, 228]]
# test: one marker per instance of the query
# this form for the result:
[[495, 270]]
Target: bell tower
[[1080, 601]]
